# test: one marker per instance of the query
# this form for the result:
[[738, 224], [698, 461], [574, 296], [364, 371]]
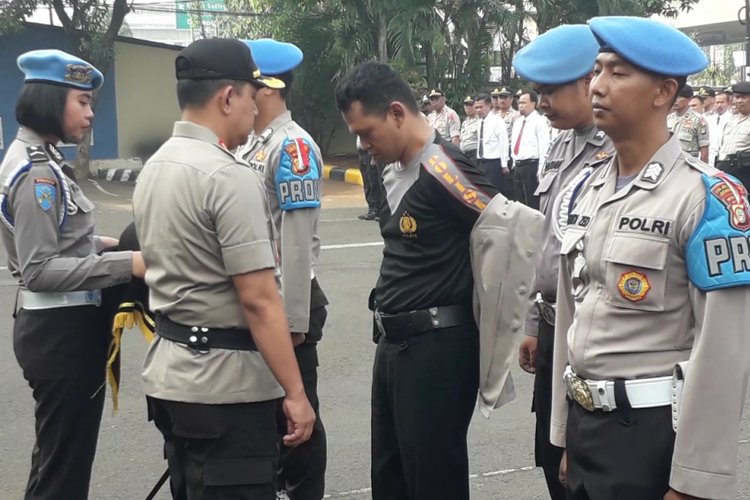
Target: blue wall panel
[[11, 81]]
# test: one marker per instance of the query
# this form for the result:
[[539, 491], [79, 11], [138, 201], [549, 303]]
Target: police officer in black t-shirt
[[426, 373]]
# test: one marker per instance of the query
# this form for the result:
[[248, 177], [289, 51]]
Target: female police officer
[[653, 297], [60, 334]]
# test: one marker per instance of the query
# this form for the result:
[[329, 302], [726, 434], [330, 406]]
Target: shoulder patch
[[37, 154], [718, 252], [45, 191], [445, 170], [298, 176]]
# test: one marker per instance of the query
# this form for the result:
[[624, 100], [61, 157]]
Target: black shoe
[[368, 216]]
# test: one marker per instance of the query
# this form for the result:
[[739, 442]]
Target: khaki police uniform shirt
[[692, 131], [202, 217], [469, 136], [291, 165], [510, 118], [568, 156], [48, 224], [736, 136], [633, 311], [446, 122]]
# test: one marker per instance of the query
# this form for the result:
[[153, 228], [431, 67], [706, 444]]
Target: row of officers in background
[[510, 145]]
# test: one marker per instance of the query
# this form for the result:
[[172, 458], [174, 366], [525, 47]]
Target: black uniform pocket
[[195, 421], [238, 472]]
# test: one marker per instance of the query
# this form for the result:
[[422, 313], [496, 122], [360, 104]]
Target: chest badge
[[408, 226], [634, 286], [260, 156]]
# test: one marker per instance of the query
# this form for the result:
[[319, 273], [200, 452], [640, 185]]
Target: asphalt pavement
[[130, 461]]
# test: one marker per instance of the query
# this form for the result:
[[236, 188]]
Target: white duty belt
[[33, 300], [642, 393]]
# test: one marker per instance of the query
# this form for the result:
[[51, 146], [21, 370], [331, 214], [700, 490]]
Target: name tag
[[650, 225]]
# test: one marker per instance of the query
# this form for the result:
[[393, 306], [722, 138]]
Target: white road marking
[[352, 245], [502, 472], [97, 186]]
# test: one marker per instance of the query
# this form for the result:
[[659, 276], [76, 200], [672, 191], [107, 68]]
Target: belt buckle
[[379, 323], [546, 311], [580, 391]]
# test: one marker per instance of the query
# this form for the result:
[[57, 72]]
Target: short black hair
[[686, 91], [288, 79], [726, 94], [699, 97], [375, 85], [532, 95], [196, 93], [41, 107], [484, 97]]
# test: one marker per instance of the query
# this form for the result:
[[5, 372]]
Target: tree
[[91, 26]]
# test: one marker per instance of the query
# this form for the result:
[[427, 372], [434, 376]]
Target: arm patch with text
[[718, 252], [444, 169], [298, 176]]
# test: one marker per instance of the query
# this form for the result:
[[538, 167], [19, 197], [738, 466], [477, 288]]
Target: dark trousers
[[472, 155], [63, 354], [372, 181], [493, 170], [302, 469], [742, 174], [424, 391], [526, 182], [621, 455], [219, 452], [548, 456]]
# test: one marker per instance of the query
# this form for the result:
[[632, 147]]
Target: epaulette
[[444, 169], [37, 154], [701, 167]]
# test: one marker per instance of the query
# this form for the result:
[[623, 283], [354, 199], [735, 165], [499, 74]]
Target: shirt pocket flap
[[570, 240], [84, 204], [638, 251], [545, 184]]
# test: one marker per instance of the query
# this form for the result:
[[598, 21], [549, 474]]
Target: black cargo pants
[[218, 452]]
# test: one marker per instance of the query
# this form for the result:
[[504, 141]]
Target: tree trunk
[[382, 38], [429, 64], [83, 149]]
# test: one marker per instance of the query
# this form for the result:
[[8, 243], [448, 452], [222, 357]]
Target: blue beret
[[275, 58], [558, 56], [650, 44], [60, 68]]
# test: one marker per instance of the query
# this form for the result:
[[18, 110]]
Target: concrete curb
[[348, 175], [117, 174]]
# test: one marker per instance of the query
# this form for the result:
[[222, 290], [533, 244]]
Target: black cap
[[741, 88], [221, 59], [706, 91], [436, 93], [729, 90], [686, 91], [469, 100]]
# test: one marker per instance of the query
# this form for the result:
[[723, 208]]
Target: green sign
[[187, 12]]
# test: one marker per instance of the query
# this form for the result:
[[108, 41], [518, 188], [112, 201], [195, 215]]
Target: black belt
[[416, 322], [526, 162], [203, 338]]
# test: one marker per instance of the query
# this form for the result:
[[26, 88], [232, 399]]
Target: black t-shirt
[[428, 211]]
